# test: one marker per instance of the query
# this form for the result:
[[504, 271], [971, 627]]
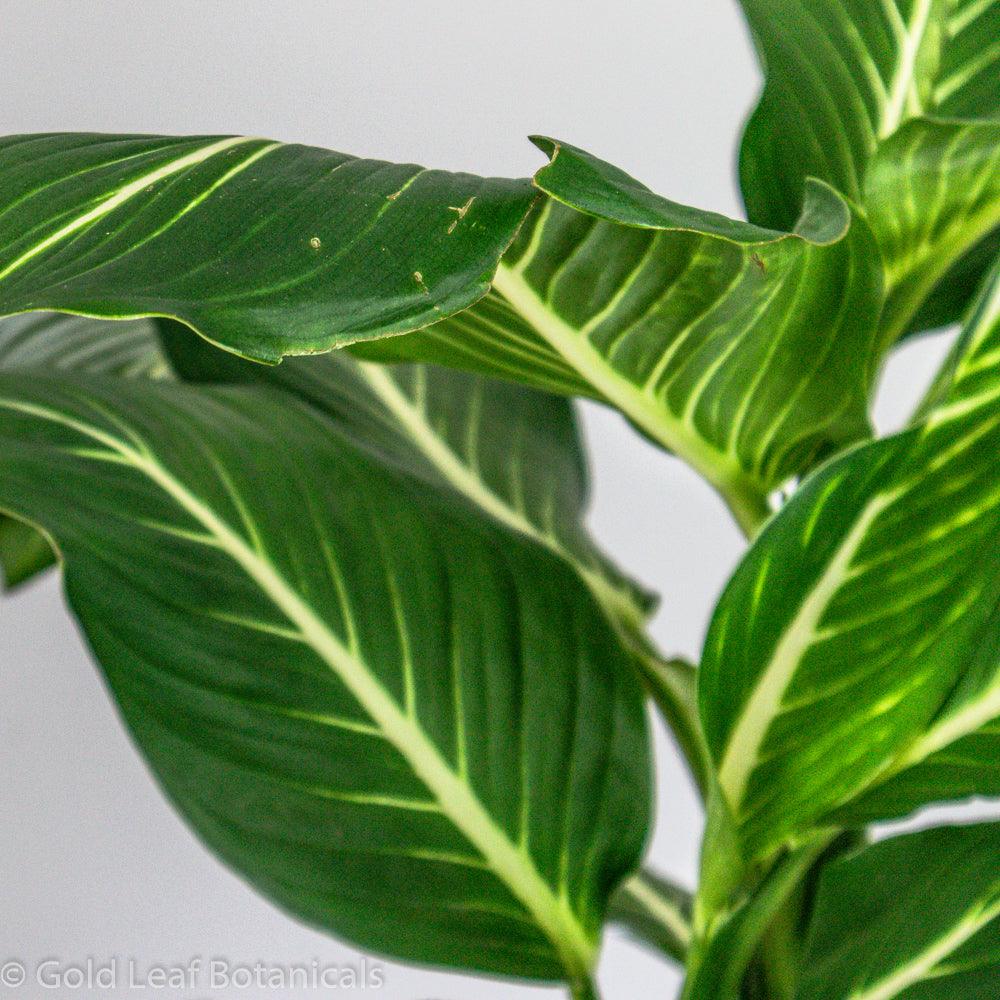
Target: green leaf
[[397, 719], [951, 172], [860, 635], [267, 249], [915, 917], [53, 342], [747, 352], [842, 79], [513, 453], [959, 754], [24, 553]]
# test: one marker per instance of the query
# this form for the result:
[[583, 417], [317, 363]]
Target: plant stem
[[673, 686], [584, 990]]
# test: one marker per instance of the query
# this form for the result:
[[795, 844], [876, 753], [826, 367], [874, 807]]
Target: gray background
[[93, 861]]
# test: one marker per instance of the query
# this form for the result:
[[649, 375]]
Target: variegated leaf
[[53, 342], [913, 918], [268, 249], [858, 642], [843, 78], [748, 352], [398, 719]]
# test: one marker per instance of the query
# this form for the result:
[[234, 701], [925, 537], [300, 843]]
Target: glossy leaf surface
[[266, 248], [398, 720], [745, 351], [896, 104], [859, 638]]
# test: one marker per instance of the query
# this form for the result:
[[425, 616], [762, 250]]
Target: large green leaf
[[959, 755], [914, 918], [694, 325], [748, 352], [861, 635], [396, 718], [266, 248], [52, 342], [513, 453], [843, 78]]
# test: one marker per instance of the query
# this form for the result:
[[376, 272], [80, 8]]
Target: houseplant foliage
[[347, 603]]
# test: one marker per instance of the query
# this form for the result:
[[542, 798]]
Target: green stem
[[584, 990], [655, 912], [721, 956], [673, 686]]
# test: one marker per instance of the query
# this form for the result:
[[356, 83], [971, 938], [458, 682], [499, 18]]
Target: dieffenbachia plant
[[318, 500]]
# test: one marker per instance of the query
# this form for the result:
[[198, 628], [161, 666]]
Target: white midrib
[[641, 407], [123, 194], [910, 37], [456, 799], [966, 721], [461, 477], [661, 909], [924, 964], [764, 704]]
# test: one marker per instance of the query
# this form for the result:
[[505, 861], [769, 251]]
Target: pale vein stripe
[[743, 749], [123, 194], [922, 966], [718, 468], [968, 719], [660, 909], [457, 473], [910, 37], [456, 799]]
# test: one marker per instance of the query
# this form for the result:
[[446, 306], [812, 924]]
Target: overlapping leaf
[[52, 342], [398, 719], [915, 918], [843, 78], [859, 639], [959, 755], [269, 249], [694, 325], [513, 453], [745, 351]]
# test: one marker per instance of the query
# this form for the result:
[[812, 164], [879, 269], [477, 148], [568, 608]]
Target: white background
[[93, 860]]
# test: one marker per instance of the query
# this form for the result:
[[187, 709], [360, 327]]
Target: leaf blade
[[167, 471], [125, 226], [913, 917], [869, 608]]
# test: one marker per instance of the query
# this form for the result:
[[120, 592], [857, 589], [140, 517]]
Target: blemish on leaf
[[419, 279], [462, 212], [759, 263], [315, 243]]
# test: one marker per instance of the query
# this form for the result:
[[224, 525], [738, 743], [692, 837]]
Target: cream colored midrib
[[922, 966], [660, 909], [414, 422], [764, 704], [910, 37], [511, 865], [717, 467], [122, 195]]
